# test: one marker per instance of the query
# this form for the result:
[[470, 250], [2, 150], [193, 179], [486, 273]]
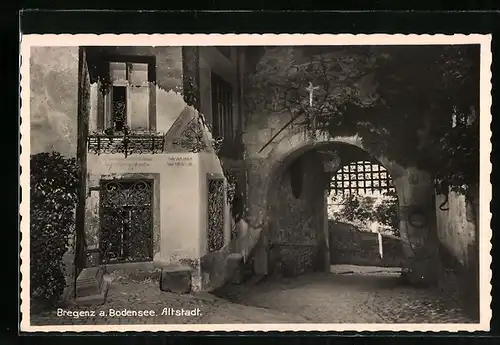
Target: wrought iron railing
[[128, 144]]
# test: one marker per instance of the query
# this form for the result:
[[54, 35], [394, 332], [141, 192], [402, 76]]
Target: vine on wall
[[416, 105], [54, 190], [196, 142]]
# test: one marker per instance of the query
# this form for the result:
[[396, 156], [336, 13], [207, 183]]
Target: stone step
[[176, 279], [234, 269], [91, 288], [96, 299], [89, 282], [234, 259]]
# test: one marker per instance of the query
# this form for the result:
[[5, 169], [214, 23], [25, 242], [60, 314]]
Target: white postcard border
[[28, 41]]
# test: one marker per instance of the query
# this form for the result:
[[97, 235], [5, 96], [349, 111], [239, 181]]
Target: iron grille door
[[126, 221]]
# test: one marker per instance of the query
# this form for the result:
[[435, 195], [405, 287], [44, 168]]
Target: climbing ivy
[[54, 187], [416, 105]]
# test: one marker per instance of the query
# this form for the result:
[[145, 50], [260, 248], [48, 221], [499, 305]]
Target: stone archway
[[415, 191]]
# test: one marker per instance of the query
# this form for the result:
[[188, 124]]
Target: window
[[127, 98], [222, 108], [361, 178], [126, 220]]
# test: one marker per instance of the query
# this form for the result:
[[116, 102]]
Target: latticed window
[[361, 177], [216, 193], [126, 220], [222, 108]]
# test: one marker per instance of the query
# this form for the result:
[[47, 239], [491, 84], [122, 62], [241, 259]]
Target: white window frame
[[108, 97]]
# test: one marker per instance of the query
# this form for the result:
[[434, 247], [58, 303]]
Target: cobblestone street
[[353, 297], [348, 297]]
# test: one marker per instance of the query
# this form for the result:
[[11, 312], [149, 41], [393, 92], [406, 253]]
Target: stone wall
[[458, 226], [457, 223], [296, 218], [54, 99], [350, 246]]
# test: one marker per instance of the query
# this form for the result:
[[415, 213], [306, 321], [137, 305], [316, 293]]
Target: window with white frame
[[127, 100]]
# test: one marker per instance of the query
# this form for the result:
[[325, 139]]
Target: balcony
[[127, 144]]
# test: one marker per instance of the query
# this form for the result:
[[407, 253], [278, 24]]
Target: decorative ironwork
[[191, 138], [217, 144], [215, 214], [126, 143], [362, 177], [126, 221], [119, 114]]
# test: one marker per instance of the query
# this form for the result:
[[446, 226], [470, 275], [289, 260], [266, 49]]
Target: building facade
[[156, 125], [161, 133]]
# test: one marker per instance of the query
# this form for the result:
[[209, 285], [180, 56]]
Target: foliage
[[363, 210], [54, 185], [401, 100], [386, 212]]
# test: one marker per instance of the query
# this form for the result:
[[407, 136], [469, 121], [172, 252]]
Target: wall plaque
[[180, 161]]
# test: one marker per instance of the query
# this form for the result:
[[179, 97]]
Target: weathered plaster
[[168, 88], [54, 99], [175, 184], [456, 231], [181, 185], [295, 224]]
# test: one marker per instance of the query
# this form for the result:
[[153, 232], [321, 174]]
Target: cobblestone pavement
[[374, 297], [312, 298], [146, 295]]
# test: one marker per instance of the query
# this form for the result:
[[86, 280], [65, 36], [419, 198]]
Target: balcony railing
[[134, 143]]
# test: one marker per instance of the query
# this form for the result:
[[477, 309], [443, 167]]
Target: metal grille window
[[126, 221], [216, 192], [222, 108], [362, 177]]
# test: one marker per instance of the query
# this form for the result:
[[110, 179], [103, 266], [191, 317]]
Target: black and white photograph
[[255, 182]]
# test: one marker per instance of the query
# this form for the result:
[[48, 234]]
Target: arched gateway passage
[[295, 237]]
